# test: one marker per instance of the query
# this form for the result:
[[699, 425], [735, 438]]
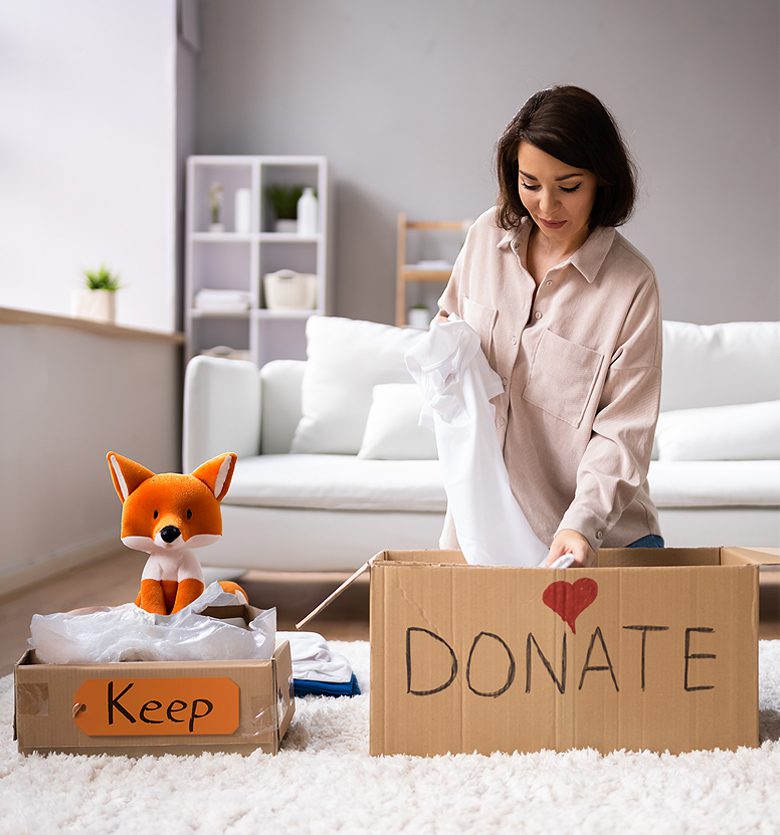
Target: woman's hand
[[571, 542]]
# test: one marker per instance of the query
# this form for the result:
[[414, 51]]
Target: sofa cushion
[[715, 365], [714, 483], [393, 431], [745, 432], [345, 482], [346, 359], [337, 482]]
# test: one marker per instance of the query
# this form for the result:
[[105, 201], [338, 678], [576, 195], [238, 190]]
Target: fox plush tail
[[233, 588]]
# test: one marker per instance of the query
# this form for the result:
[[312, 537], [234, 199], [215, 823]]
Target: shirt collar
[[587, 259]]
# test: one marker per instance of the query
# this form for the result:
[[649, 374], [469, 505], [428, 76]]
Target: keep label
[[156, 706]]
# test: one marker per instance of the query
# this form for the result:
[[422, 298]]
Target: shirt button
[[500, 422], [504, 380], [599, 534], [514, 340], [548, 282], [538, 315]]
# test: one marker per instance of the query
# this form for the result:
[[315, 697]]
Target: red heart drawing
[[568, 600]]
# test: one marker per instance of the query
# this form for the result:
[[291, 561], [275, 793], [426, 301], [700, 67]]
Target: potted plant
[[419, 316], [284, 200], [97, 298], [215, 207]]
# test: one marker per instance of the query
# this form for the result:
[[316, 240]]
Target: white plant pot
[[419, 318], [99, 305], [288, 227], [216, 227], [288, 290]]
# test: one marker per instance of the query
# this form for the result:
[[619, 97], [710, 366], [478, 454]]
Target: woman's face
[[558, 197]]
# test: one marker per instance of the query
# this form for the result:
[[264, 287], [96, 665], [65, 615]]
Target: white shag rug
[[324, 781]]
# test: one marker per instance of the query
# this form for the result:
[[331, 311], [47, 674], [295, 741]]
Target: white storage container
[[288, 290]]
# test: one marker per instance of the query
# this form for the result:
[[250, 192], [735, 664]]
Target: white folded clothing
[[313, 659], [213, 299]]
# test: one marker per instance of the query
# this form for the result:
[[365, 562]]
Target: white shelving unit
[[231, 261]]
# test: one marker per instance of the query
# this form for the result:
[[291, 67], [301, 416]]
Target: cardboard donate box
[[652, 649], [155, 707]]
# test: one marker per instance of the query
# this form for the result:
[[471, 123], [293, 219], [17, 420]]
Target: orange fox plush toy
[[167, 516]]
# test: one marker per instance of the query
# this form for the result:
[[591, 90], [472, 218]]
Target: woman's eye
[[529, 188], [570, 190]]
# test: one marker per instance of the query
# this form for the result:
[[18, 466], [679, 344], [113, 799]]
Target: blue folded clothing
[[306, 687]]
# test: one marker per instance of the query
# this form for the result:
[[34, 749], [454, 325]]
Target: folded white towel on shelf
[[313, 659], [211, 299]]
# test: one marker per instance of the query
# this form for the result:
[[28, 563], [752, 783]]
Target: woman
[[568, 314]]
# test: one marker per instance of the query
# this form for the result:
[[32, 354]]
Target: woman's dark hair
[[572, 125]]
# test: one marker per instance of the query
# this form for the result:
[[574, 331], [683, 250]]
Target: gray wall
[[407, 99]]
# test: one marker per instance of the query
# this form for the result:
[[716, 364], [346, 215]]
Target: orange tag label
[[156, 706]]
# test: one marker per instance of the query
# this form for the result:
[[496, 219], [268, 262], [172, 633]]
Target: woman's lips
[[550, 224]]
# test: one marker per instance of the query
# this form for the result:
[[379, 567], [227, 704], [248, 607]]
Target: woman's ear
[[217, 473], [126, 474]]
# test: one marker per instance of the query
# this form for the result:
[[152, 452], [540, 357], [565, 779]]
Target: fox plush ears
[[128, 475], [217, 473]]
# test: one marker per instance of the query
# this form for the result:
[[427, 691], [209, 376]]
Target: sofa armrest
[[221, 410]]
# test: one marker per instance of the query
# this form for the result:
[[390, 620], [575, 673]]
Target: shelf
[[239, 261], [221, 237], [200, 313], [264, 237], [265, 313], [434, 270], [412, 273], [288, 238]]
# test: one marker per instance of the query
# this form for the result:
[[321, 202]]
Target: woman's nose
[[547, 202]]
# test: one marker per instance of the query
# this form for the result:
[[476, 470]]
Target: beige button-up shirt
[[580, 359]]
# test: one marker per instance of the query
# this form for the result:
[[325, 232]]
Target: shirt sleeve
[[617, 457]]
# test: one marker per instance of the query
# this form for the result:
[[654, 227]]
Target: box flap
[[430, 556], [341, 589], [736, 555]]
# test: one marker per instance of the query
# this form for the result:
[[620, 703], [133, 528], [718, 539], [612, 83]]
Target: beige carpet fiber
[[324, 781]]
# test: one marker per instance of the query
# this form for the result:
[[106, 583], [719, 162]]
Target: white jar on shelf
[[308, 209]]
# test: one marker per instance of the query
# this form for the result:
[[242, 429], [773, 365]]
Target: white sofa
[[330, 512]]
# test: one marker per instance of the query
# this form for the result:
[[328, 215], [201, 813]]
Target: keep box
[[651, 649], [156, 707]]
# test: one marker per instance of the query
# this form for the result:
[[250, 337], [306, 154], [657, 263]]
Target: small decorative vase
[[99, 305], [419, 317], [216, 227], [289, 227]]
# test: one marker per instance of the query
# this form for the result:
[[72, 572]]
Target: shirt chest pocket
[[482, 319], [562, 377]]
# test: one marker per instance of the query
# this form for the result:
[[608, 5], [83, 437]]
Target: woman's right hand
[[572, 542]]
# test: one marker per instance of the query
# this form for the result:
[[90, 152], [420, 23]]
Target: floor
[[114, 580]]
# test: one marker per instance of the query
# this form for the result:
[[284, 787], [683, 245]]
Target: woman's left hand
[[571, 542]]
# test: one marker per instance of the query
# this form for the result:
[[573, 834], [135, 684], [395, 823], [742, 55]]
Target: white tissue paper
[[458, 383], [127, 633]]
